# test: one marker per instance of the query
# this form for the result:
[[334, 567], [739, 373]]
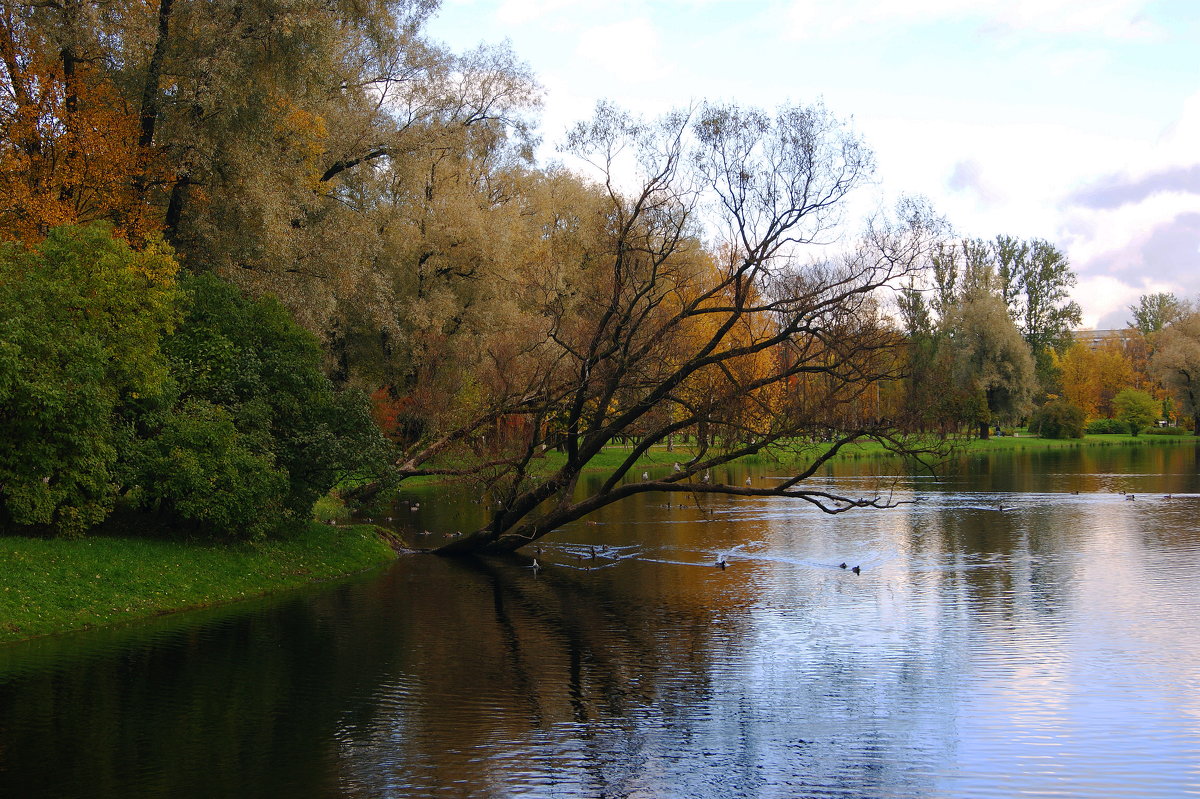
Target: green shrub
[[81, 318], [1057, 419], [1136, 409], [1106, 427], [1166, 431], [251, 414], [120, 387], [200, 468]]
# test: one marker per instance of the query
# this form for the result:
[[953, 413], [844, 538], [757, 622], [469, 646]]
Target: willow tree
[[1176, 362], [647, 328], [992, 360]]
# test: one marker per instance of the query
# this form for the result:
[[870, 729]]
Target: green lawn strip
[[54, 585], [614, 455]]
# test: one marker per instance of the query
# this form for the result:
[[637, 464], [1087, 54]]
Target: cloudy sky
[[1077, 121]]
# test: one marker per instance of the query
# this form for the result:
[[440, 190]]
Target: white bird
[[677, 466], [749, 481], [707, 477], [535, 565], [645, 475]]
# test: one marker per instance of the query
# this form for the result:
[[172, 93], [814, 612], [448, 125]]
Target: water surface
[[1006, 637]]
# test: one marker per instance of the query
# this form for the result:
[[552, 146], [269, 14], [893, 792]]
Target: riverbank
[[613, 455], [1026, 442], [56, 585]]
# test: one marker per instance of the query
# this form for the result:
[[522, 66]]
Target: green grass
[[54, 585], [613, 455]]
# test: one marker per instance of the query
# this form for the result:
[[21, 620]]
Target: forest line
[[228, 225]]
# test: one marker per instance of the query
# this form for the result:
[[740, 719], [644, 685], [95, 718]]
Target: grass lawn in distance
[[54, 585]]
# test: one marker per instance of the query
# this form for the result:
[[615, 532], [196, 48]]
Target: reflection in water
[[1005, 636]]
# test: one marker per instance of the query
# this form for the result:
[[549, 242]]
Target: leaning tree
[[700, 305]]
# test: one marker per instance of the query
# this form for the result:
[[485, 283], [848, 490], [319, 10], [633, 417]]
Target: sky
[[1076, 121]]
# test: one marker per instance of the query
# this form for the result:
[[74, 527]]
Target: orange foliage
[[69, 146], [386, 410], [1092, 377]]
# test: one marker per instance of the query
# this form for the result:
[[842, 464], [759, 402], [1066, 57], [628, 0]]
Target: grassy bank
[[614, 455], [1025, 443], [51, 586]]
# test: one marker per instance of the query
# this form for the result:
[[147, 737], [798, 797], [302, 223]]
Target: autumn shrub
[[1058, 419]]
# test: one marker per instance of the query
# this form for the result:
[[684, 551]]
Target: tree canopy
[[254, 215], [123, 388]]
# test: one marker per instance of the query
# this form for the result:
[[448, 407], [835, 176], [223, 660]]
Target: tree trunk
[[985, 430], [148, 115]]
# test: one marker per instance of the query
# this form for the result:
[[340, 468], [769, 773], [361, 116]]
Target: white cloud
[[520, 12], [1137, 230], [628, 50], [1112, 19], [1103, 297]]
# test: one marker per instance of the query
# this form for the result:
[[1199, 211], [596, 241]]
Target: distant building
[[1095, 339]]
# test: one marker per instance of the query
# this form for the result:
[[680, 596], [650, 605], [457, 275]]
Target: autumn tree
[[653, 320], [70, 149], [1177, 363], [1090, 378]]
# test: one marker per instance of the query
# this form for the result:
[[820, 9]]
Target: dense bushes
[[1106, 427], [1058, 419], [121, 388], [80, 320], [1136, 409]]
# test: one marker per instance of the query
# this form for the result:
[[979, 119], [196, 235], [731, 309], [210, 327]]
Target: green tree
[[251, 415], [1011, 255], [1137, 409], [1153, 312], [1048, 314], [81, 319], [1058, 419]]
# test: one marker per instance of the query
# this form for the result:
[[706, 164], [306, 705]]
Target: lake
[[1006, 636]]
